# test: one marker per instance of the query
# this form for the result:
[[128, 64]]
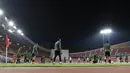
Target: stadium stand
[[121, 48]]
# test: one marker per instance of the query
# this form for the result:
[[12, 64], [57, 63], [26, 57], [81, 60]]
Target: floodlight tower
[[106, 32]]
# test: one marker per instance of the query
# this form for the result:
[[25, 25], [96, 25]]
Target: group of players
[[27, 56], [95, 58]]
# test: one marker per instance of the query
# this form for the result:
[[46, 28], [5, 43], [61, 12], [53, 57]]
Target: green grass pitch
[[63, 65]]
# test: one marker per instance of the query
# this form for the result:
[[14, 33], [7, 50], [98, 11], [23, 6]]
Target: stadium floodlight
[[11, 23], [1, 12], [106, 31], [10, 30], [22, 34], [14, 27], [6, 19], [3, 26], [19, 31]]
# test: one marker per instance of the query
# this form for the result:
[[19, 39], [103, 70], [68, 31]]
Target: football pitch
[[64, 65]]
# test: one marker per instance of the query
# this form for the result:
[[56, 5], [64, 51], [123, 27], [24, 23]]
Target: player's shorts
[[57, 52], [33, 54], [107, 54]]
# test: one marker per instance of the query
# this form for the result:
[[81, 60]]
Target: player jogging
[[107, 51], [57, 47], [100, 58], [126, 58], [34, 52]]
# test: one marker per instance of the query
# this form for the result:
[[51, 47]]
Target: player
[[95, 57], [64, 59], [84, 59], [34, 52], [58, 49], [120, 58], [126, 57], [107, 51], [42, 59], [90, 58], [25, 56], [18, 55], [70, 59], [79, 60], [100, 58]]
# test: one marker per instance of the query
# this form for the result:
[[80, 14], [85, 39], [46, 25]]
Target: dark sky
[[77, 22]]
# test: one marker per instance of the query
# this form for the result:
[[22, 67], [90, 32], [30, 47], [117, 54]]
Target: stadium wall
[[122, 48]]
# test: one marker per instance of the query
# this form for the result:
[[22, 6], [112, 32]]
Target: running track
[[65, 70]]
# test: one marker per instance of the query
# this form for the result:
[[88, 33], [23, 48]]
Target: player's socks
[[109, 60]]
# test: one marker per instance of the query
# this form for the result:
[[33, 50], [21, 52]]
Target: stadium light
[[11, 23], [19, 31], [10, 30], [22, 34], [6, 19], [106, 31], [3, 26], [14, 27], [1, 12]]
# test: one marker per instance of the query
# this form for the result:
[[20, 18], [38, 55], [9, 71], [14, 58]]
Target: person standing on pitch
[[34, 52], [58, 49], [107, 51]]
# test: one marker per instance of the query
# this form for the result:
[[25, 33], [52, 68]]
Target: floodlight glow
[[14, 27], [106, 31], [10, 31], [3, 26], [6, 19], [19, 31], [11, 23], [22, 34], [1, 12]]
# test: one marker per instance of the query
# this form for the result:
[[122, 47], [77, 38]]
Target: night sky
[[77, 22]]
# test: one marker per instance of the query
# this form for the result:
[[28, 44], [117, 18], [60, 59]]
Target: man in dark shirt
[[107, 50], [120, 57], [126, 57], [57, 50], [95, 57], [100, 58], [34, 52], [43, 59]]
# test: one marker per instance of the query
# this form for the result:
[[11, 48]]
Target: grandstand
[[17, 41], [121, 48]]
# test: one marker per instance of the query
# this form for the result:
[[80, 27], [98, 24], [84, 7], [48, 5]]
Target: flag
[[7, 41]]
